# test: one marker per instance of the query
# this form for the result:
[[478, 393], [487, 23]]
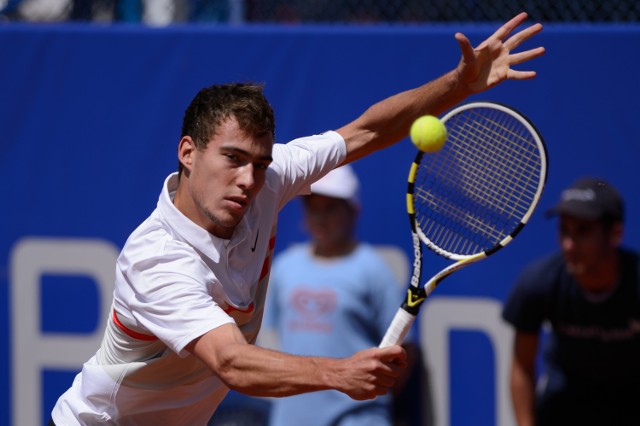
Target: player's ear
[[186, 150], [617, 231]]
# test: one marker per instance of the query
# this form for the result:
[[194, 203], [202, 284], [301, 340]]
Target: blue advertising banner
[[90, 118]]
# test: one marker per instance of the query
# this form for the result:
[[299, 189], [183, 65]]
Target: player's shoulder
[[534, 289], [382, 262], [367, 249], [542, 272], [153, 243], [150, 233], [629, 256], [304, 145], [293, 252], [630, 261], [369, 253], [552, 261]]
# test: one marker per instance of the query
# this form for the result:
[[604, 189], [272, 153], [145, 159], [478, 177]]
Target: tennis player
[[191, 279]]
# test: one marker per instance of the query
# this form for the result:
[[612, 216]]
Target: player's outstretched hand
[[371, 372], [490, 63]]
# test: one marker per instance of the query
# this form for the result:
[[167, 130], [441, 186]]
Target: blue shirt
[[330, 307]]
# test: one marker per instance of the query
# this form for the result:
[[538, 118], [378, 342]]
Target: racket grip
[[398, 329]]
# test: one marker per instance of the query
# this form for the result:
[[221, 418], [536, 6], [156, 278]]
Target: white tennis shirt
[[175, 282]]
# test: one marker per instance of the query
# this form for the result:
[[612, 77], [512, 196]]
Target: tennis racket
[[472, 197]]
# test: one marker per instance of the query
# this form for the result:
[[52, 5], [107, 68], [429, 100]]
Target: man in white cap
[[331, 296], [589, 293]]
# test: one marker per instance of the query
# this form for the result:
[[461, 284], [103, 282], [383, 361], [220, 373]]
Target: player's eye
[[232, 158]]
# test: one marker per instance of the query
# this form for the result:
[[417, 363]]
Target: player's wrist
[[457, 87], [329, 376]]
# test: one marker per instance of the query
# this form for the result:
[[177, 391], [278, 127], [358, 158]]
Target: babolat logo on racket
[[417, 261]]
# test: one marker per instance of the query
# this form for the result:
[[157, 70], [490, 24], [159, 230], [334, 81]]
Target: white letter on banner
[[439, 317], [31, 349]]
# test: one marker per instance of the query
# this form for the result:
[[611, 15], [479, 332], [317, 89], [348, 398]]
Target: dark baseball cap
[[590, 198]]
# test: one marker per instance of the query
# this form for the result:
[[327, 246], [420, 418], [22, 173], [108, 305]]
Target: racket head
[[473, 196]]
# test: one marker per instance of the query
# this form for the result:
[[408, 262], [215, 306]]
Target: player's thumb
[[465, 46], [393, 354]]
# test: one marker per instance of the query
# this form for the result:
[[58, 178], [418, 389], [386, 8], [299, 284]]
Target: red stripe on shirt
[[244, 311], [130, 332]]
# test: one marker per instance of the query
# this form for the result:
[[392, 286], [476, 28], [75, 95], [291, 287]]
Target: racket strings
[[473, 193], [515, 154]]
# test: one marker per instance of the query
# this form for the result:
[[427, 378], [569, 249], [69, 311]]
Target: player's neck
[[330, 250], [606, 277]]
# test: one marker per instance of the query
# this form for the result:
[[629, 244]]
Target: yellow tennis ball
[[428, 133]]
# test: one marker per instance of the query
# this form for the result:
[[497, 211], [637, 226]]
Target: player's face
[[225, 177], [330, 222], [587, 245]]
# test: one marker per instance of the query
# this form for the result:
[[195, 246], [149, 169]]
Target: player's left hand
[[490, 63]]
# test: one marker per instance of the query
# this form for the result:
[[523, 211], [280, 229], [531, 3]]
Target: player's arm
[[523, 377], [257, 371], [389, 120]]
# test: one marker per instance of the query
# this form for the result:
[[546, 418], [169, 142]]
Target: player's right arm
[[256, 371], [523, 377]]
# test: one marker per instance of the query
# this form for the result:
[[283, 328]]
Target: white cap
[[339, 183]]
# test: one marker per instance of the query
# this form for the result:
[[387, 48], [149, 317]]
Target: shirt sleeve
[[302, 161], [526, 306], [174, 297]]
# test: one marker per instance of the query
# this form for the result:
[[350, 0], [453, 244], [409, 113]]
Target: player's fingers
[[504, 31], [517, 39], [393, 354], [386, 382], [371, 392], [520, 75], [518, 58], [401, 363]]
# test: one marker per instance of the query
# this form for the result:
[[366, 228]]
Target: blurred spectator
[[332, 296], [44, 10], [148, 12], [589, 294], [8, 9]]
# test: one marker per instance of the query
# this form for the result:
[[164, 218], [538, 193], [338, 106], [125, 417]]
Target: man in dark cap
[[586, 298]]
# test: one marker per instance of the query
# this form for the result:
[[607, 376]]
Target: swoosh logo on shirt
[[253, 248]]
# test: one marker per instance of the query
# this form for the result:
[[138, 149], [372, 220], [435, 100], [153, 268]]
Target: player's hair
[[214, 104]]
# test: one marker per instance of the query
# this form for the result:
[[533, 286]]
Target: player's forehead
[[230, 137], [569, 223], [318, 202]]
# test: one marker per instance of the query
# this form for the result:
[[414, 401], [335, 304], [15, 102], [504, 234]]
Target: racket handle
[[398, 329]]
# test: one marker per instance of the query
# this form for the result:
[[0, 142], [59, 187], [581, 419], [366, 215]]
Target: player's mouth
[[575, 265], [237, 203]]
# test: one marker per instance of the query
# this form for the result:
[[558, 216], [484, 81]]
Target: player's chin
[[227, 218], [233, 220]]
